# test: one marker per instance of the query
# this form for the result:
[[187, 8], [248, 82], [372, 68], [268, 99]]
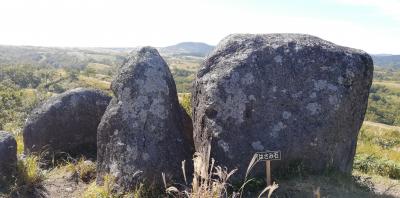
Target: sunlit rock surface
[[291, 92]]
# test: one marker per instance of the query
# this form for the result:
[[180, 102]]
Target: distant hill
[[386, 60], [188, 49], [60, 57], [82, 57]]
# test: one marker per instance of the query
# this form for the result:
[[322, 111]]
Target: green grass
[[102, 68], [334, 185], [384, 98], [92, 82], [184, 100], [29, 177], [183, 80], [378, 151], [394, 86], [107, 190], [22, 88], [20, 144], [376, 165], [101, 191], [82, 168], [186, 63], [29, 172]]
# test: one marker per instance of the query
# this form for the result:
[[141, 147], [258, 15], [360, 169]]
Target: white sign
[[268, 155]]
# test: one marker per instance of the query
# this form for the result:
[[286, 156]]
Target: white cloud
[[128, 23], [390, 8]]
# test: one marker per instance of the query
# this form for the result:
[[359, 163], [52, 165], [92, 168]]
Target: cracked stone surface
[[291, 92], [142, 133], [66, 123]]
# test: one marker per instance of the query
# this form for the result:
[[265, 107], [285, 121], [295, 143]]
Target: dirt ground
[[59, 184]]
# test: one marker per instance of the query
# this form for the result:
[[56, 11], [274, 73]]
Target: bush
[[383, 104], [375, 165], [84, 169], [22, 75]]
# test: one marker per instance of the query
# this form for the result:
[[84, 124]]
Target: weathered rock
[[8, 157], [66, 123], [142, 129], [296, 93]]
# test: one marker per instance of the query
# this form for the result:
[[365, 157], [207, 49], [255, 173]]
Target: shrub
[[84, 169], [374, 165]]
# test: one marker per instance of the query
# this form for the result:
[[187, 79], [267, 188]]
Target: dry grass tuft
[[29, 177], [211, 181], [107, 190], [84, 169], [29, 172], [103, 191]]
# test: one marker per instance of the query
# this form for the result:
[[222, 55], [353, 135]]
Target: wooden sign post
[[268, 156], [268, 172]]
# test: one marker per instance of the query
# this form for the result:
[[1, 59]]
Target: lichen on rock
[[291, 92], [142, 133], [66, 123]]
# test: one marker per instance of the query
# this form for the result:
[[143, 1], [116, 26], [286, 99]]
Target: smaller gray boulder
[[66, 123], [8, 157]]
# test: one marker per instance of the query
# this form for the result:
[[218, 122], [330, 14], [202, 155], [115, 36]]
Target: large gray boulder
[[141, 134], [8, 157], [66, 123], [291, 92]]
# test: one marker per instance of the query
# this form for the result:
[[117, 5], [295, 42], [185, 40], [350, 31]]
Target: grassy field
[[377, 162], [384, 99], [392, 85], [378, 150]]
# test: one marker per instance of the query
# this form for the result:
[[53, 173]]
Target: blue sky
[[371, 25]]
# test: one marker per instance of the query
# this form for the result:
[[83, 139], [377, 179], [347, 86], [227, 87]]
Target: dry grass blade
[[163, 178], [172, 190], [211, 181], [253, 162], [317, 193], [270, 188], [184, 171]]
